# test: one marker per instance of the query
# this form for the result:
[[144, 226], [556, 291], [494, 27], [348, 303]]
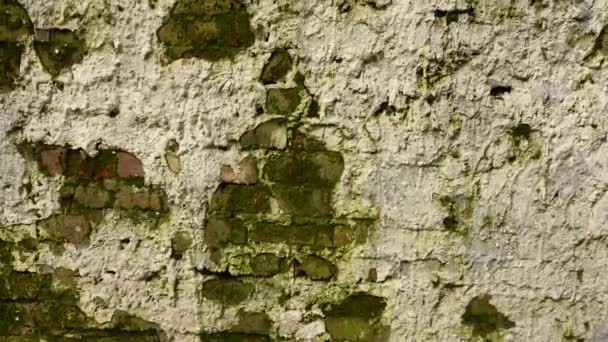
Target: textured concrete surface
[[472, 137]]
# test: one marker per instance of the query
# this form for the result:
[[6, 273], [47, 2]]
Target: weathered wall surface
[[274, 170]]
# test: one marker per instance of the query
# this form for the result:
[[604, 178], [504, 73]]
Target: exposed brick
[[129, 165], [226, 291], [348, 234], [67, 228], [356, 318], [246, 173], [282, 101], [74, 163], [220, 231], [268, 135], [16, 319], [99, 167], [320, 169], [233, 337], [21, 285], [253, 323], [92, 196], [317, 268], [278, 65], [265, 265], [208, 29], [52, 161], [303, 201], [303, 142], [230, 199], [309, 235], [131, 197]]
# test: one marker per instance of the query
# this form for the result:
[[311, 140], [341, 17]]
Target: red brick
[[52, 161], [129, 165]]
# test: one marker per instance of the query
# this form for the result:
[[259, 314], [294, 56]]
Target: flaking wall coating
[[472, 139]]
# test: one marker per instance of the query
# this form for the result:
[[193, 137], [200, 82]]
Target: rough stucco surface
[[473, 135]]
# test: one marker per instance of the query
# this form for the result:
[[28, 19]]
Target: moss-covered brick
[[348, 234], [316, 235], [360, 304], [106, 336], [231, 199], [319, 169], [21, 286], [222, 231], [207, 29], [317, 268], [346, 328], [265, 265], [356, 318], [227, 291], [16, 319], [60, 312], [313, 109], [79, 165], [246, 172], [73, 229], [180, 243], [92, 195], [129, 165], [10, 62], [303, 142], [483, 317], [233, 337], [356, 329], [278, 65], [282, 101], [268, 135], [6, 253], [133, 197], [124, 321], [15, 25], [252, 323], [36, 307], [73, 163], [59, 50], [303, 201]]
